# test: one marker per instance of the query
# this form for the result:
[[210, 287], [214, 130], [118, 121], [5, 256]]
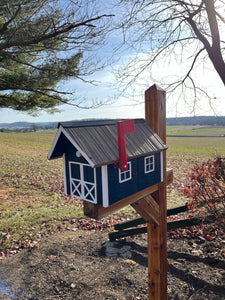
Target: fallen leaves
[[53, 258], [211, 237], [91, 224]]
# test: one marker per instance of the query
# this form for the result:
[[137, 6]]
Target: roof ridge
[[92, 123]]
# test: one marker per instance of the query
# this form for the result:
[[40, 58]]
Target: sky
[[130, 104], [126, 106]]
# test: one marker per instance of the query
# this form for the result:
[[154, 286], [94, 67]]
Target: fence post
[[155, 116]]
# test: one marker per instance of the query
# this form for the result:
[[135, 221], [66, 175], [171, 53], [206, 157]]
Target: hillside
[[204, 120]]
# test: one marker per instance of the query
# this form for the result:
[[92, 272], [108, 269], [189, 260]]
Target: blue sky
[[131, 103]]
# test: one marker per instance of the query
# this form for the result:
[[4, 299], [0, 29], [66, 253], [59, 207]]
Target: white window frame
[[149, 164], [126, 174]]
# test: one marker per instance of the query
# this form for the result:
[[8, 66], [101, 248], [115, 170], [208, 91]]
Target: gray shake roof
[[97, 141]]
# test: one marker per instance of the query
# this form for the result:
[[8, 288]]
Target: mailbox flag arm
[[123, 127]]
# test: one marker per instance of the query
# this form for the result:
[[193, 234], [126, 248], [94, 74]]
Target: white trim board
[[161, 166], [64, 174], [105, 188]]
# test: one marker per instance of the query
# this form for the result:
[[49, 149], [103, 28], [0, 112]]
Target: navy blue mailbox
[[99, 170]]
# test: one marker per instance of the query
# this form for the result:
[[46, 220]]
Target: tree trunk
[[214, 51], [218, 62]]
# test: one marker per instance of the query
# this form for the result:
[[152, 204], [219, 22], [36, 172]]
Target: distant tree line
[[204, 120], [31, 128]]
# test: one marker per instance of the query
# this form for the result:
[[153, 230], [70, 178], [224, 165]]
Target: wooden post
[[155, 117], [154, 272]]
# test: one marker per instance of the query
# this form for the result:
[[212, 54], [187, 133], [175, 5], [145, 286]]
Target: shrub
[[205, 188]]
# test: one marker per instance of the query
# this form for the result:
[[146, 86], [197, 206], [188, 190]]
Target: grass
[[31, 189], [204, 145], [32, 200], [195, 130]]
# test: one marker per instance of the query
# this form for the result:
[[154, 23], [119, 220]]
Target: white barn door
[[83, 181]]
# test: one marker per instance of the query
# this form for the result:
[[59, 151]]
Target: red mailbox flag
[[123, 127]]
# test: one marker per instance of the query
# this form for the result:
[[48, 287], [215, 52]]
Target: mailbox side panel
[[118, 186], [149, 170], [145, 172]]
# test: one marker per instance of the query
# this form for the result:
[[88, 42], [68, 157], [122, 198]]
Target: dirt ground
[[73, 265]]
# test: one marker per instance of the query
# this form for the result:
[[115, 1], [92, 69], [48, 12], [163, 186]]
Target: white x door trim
[[80, 186]]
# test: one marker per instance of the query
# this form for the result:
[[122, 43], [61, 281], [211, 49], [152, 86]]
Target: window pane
[[75, 170], [88, 173], [149, 164], [126, 175]]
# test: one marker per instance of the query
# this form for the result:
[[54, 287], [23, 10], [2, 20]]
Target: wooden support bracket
[[148, 208]]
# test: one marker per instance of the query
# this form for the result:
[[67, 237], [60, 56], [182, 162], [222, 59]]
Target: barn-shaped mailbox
[[91, 157]]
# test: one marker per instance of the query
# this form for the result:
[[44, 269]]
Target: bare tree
[[159, 29], [42, 43]]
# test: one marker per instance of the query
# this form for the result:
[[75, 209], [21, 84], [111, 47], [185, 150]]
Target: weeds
[[206, 189]]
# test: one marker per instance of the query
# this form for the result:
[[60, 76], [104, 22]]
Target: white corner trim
[[64, 174], [105, 190], [161, 165]]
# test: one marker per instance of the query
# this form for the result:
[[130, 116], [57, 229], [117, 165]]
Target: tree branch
[[5, 25], [198, 34], [51, 35], [193, 63], [220, 17]]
